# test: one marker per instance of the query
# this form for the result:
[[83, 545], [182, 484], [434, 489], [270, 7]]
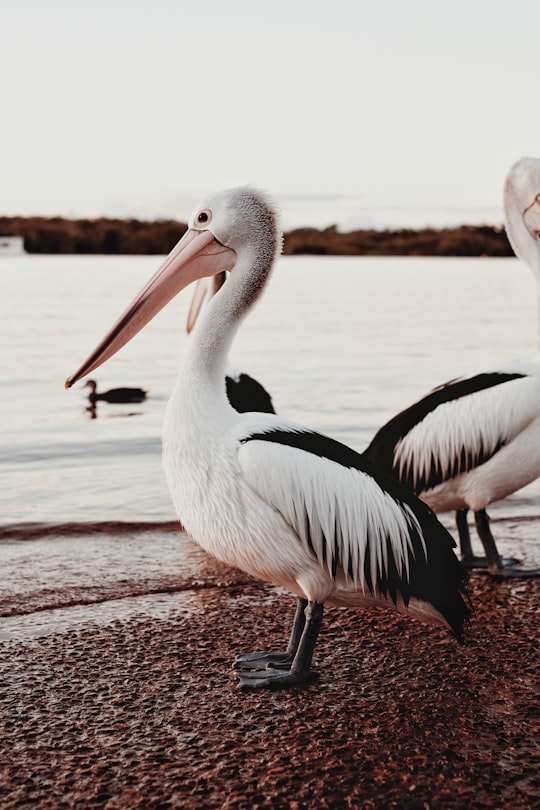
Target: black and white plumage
[[246, 394], [115, 395], [259, 492], [476, 439], [243, 391]]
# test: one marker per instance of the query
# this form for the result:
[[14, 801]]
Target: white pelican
[[476, 439], [243, 391], [268, 496]]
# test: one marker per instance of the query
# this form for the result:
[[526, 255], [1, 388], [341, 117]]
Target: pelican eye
[[203, 218]]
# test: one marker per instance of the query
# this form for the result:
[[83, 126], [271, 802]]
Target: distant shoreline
[[57, 235]]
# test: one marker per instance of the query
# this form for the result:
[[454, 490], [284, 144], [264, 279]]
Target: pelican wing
[[455, 428], [246, 394], [353, 518]]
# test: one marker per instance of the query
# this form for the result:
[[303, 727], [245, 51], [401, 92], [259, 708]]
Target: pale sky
[[354, 112]]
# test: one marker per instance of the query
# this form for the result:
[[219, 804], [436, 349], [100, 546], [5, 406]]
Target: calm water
[[341, 343]]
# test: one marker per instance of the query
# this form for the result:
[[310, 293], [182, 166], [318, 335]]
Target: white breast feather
[[343, 506]]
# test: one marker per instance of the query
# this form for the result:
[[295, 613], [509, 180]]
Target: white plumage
[[476, 439], [243, 391], [490, 422], [258, 492], [314, 495]]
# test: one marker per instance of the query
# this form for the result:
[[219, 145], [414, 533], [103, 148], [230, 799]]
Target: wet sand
[[130, 702]]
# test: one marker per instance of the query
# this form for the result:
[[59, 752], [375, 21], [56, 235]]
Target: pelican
[[476, 439], [243, 391], [271, 497], [115, 394]]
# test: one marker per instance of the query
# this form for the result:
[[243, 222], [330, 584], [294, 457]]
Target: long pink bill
[[197, 255]]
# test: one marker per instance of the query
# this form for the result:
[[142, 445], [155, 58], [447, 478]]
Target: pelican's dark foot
[[482, 562], [264, 660], [468, 559], [277, 660], [273, 670], [496, 566], [274, 679], [507, 572]]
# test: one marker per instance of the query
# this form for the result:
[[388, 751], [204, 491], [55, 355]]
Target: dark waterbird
[[115, 394]]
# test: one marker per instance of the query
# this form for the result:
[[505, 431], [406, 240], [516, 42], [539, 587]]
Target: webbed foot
[[274, 670], [496, 566], [482, 562], [513, 572], [275, 679], [263, 660]]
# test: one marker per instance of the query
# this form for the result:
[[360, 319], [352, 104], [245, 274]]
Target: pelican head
[[522, 211], [240, 222]]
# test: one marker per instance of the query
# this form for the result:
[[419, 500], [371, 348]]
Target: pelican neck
[[211, 340]]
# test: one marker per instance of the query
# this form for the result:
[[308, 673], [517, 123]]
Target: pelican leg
[[300, 668], [496, 566], [468, 558], [264, 660]]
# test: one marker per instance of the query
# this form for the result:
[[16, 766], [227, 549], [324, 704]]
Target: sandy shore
[[141, 709]]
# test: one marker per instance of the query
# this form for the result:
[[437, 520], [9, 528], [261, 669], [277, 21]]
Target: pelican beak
[[532, 217], [197, 255], [203, 288]]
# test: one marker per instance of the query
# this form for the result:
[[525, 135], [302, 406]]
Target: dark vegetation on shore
[[131, 236]]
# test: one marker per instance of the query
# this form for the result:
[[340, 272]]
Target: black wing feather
[[383, 445], [246, 395], [438, 578]]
